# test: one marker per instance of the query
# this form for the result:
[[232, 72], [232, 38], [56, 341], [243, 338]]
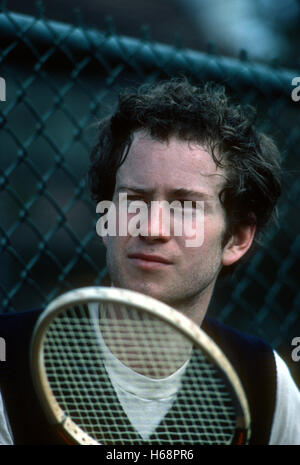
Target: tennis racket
[[116, 367]]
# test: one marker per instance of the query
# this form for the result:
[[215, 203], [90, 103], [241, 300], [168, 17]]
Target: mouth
[[149, 261]]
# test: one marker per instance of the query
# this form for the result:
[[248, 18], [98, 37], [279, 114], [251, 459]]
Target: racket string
[[202, 410]]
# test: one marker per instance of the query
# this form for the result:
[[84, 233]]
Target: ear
[[238, 244]]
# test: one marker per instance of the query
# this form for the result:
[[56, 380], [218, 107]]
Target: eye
[[135, 198], [187, 204]]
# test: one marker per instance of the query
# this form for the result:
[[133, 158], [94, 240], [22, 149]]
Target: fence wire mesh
[[60, 80]]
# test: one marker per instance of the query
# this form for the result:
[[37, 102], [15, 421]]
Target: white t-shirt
[[286, 422], [144, 397], [5, 432]]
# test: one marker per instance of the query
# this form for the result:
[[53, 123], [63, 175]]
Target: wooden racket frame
[[66, 427]]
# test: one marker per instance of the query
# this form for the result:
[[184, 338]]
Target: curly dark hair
[[202, 114]]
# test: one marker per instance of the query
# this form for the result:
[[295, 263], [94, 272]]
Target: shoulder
[[26, 417], [230, 339], [254, 361], [19, 320], [252, 357], [286, 425], [16, 329]]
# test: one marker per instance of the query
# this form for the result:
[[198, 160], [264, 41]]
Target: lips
[[150, 258]]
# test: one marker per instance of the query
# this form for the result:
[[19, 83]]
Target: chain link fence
[[60, 80]]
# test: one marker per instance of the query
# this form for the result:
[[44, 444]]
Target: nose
[[158, 226]]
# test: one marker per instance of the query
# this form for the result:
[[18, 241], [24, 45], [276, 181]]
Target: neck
[[195, 307]]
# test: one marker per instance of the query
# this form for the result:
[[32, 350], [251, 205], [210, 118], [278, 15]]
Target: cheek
[[114, 247], [214, 227], [206, 241]]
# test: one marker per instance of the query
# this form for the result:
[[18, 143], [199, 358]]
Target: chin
[[146, 288]]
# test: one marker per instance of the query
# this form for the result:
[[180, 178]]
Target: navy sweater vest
[[252, 358]]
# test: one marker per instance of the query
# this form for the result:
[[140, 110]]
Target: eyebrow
[[174, 193]]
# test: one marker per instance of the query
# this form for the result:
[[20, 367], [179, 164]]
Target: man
[[177, 142]]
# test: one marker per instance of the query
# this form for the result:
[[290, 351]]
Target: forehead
[[170, 164]]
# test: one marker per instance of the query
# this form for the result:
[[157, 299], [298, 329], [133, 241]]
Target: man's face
[[162, 265]]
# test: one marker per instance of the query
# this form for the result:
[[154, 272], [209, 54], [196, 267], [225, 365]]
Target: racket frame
[[64, 424]]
